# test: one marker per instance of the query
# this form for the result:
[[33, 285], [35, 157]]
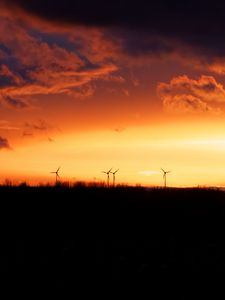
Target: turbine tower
[[114, 177], [107, 173], [164, 176], [56, 175]]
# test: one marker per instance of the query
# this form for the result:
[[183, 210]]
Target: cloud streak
[[5, 125]]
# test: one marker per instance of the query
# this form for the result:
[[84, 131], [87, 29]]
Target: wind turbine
[[164, 176], [56, 175], [108, 172], [114, 176]]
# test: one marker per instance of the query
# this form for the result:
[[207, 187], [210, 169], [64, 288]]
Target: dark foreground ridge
[[59, 237]]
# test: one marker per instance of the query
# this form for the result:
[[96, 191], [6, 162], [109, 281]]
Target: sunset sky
[[92, 85]]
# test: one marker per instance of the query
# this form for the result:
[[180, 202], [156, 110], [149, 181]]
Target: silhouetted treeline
[[60, 236]]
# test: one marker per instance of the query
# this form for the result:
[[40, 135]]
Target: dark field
[[60, 237]]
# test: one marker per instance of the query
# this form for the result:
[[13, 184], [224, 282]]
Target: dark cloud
[[4, 144], [8, 77], [14, 102], [135, 43], [198, 23]]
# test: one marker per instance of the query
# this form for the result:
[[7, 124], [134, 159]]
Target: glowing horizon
[[83, 157]]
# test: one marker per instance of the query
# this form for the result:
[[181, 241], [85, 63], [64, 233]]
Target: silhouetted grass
[[64, 234]]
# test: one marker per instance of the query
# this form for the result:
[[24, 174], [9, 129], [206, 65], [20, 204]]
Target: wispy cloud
[[38, 128], [32, 65], [40, 125], [5, 125], [27, 134]]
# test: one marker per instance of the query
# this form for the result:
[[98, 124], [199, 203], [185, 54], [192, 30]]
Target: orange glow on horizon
[[139, 153]]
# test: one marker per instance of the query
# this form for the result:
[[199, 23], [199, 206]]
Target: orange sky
[[73, 97]]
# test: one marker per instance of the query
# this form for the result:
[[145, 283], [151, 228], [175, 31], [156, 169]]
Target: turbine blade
[[162, 170], [109, 170], [116, 171], [58, 169]]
